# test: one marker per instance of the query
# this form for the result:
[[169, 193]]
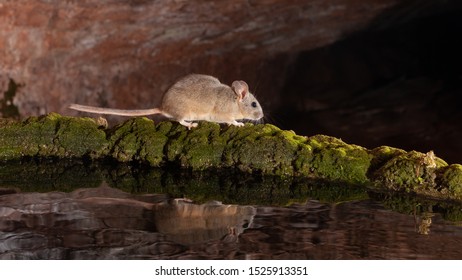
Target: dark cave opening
[[399, 87]]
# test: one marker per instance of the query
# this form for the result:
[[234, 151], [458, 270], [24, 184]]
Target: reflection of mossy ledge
[[261, 149]]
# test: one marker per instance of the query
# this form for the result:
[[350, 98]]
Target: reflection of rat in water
[[195, 98]]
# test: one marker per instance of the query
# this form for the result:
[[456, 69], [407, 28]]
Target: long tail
[[119, 112]]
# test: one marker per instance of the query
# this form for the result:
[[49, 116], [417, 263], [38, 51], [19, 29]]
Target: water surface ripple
[[107, 223]]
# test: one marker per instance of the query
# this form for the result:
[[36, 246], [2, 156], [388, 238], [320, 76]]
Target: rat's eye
[[254, 104]]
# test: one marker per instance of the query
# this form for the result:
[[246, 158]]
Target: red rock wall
[[126, 53]]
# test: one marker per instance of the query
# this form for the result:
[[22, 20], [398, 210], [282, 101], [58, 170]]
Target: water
[[127, 213]]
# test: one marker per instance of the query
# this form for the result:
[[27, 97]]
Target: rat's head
[[248, 104]]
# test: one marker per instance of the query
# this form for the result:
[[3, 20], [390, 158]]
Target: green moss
[[51, 136], [411, 171], [254, 149], [263, 149], [381, 155], [78, 137], [138, 140], [250, 132], [335, 160], [201, 148], [266, 150], [451, 179]]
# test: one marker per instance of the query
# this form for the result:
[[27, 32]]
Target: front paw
[[236, 123]]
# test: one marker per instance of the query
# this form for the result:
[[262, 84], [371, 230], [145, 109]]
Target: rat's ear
[[241, 89]]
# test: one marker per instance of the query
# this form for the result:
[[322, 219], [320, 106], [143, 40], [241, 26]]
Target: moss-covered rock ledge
[[262, 149]]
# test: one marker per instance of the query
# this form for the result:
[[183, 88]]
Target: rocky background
[[375, 72]]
